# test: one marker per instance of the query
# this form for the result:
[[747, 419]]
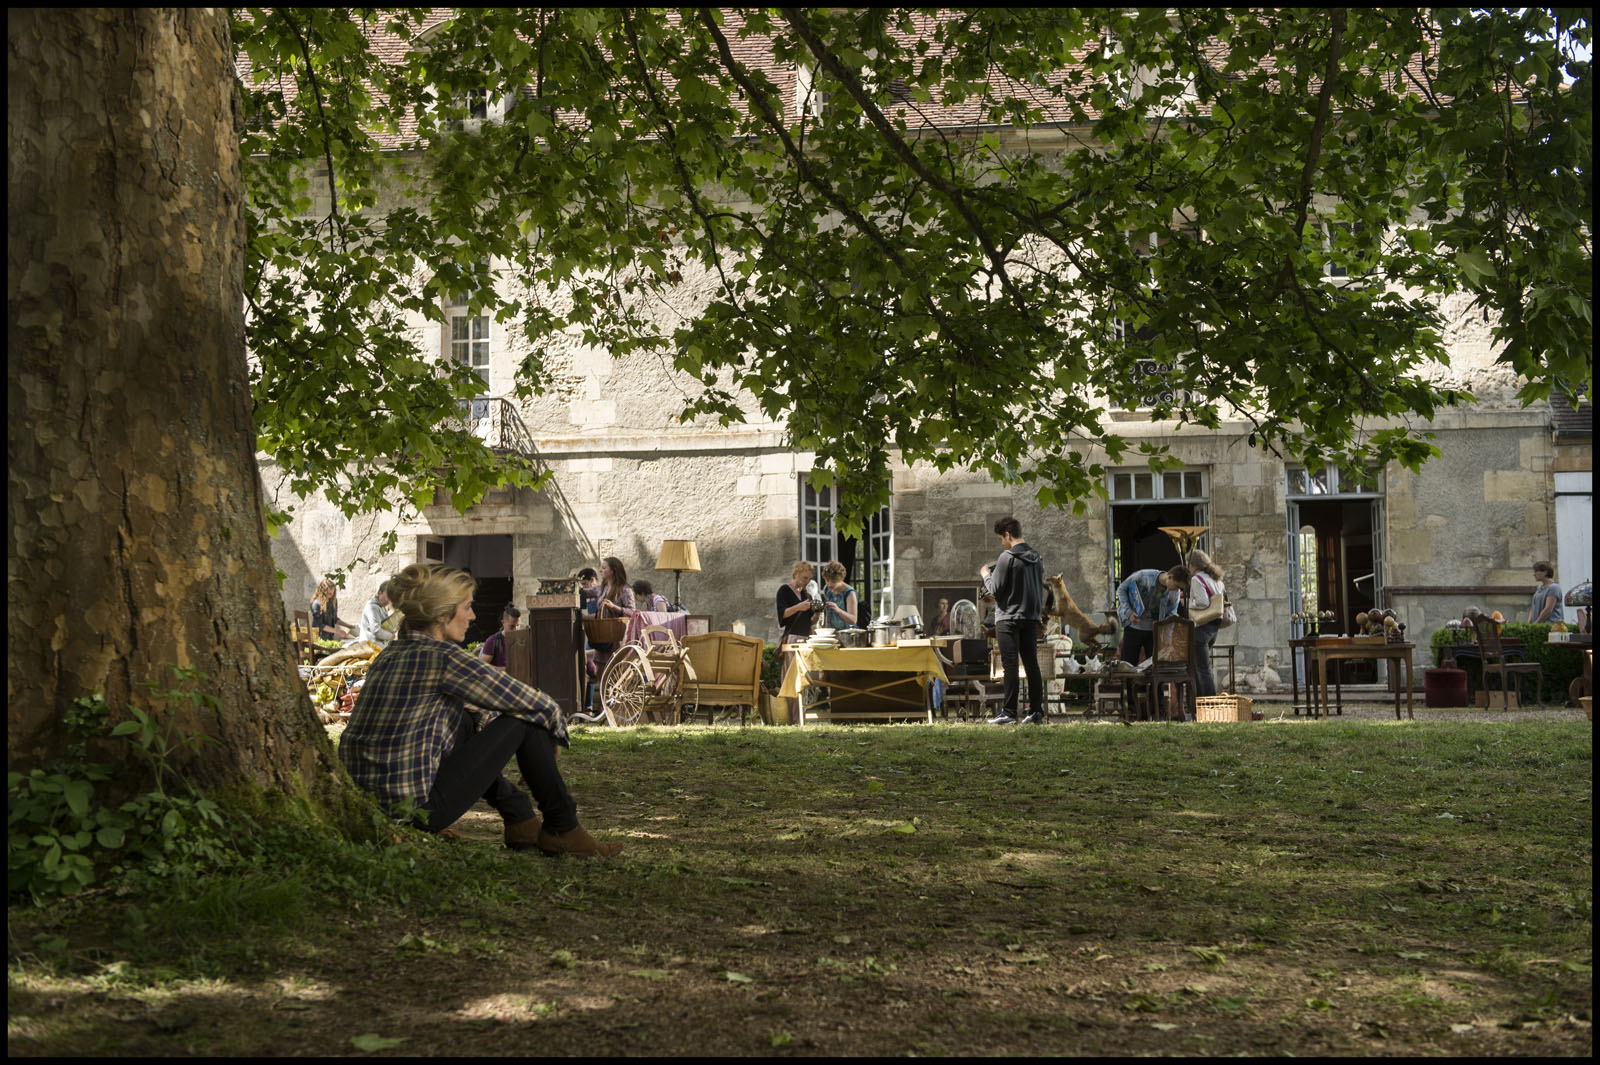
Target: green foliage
[[771, 668], [1561, 664], [878, 289], [64, 833]]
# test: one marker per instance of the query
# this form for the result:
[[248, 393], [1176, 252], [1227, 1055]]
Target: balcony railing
[[496, 421]]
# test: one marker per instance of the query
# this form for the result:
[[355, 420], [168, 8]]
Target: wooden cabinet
[[547, 652]]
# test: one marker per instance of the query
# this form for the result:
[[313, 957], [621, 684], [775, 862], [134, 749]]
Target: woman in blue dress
[[838, 598]]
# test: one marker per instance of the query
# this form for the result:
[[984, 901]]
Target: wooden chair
[[1495, 661], [304, 648], [1174, 664], [729, 670]]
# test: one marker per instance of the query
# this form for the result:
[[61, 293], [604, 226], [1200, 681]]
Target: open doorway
[[488, 559], [1336, 553], [1137, 540], [1141, 503]]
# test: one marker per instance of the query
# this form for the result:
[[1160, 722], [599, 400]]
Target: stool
[[1220, 651]]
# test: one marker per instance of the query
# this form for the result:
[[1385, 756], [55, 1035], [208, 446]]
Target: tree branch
[[1318, 128], [316, 95], [847, 77]]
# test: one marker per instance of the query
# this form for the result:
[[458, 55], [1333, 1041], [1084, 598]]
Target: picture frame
[[930, 592], [697, 625]]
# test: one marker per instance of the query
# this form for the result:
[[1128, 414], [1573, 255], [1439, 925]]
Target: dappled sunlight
[[890, 891]]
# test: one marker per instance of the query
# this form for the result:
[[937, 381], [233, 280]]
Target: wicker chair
[[1495, 661]]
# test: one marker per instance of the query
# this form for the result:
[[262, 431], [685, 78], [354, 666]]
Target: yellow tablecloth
[[808, 661]]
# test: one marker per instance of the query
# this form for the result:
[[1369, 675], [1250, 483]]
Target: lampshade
[[1580, 594], [678, 556], [1184, 537]]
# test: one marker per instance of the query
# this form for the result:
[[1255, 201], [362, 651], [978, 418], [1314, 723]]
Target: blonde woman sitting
[[413, 741]]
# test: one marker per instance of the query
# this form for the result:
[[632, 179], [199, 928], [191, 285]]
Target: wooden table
[[1323, 653], [1309, 706], [875, 676]]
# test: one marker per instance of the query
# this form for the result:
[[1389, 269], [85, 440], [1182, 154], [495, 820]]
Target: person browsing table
[[1016, 580], [374, 615], [1142, 597], [1546, 605], [838, 598]]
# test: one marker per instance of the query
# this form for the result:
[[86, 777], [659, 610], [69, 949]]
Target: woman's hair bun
[[427, 593]]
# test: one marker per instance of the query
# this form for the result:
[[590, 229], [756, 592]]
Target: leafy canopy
[[972, 296]]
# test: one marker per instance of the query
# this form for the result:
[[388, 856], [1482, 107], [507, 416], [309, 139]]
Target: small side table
[[1224, 652]]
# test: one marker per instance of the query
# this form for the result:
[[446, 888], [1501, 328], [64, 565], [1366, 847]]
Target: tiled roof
[[1567, 420], [755, 52]]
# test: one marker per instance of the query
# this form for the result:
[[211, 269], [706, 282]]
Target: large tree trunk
[[137, 538]]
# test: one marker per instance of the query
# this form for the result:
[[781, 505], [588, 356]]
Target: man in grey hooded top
[[1016, 581]]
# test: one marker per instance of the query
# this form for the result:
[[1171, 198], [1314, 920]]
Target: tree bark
[[137, 537]]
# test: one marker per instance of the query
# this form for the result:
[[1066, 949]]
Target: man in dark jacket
[[1016, 581]]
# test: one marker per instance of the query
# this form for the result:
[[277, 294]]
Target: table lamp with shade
[[678, 557], [1184, 537]]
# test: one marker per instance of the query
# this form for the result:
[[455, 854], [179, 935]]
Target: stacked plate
[[822, 641]]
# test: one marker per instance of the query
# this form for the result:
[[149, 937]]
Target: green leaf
[[1475, 264], [371, 1041], [78, 793]]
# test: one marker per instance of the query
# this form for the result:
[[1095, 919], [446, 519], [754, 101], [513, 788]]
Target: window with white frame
[[1189, 490], [469, 342], [469, 335], [819, 543]]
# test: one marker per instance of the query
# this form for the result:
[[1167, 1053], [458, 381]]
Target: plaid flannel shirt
[[420, 699]]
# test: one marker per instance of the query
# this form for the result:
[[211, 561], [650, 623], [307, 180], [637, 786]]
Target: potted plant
[[773, 710]]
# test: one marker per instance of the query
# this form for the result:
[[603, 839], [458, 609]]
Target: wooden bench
[[727, 668]]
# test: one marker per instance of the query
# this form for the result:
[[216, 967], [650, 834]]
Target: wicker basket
[[605, 630], [1222, 708]]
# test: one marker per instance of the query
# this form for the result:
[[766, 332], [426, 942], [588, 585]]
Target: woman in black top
[[796, 609]]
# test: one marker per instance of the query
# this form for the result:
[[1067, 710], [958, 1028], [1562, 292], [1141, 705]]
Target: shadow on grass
[[1347, 888]]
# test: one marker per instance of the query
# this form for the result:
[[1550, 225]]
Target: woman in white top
[[1205, 585]]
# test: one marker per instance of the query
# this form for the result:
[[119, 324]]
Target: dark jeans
[[1137, 644], [473, 771], [1204, 636], [1020, 638]]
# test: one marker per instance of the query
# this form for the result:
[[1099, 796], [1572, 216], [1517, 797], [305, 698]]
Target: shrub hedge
[[1562, 663]]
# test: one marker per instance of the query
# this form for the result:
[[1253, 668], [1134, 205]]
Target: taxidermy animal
[[1060, 605]]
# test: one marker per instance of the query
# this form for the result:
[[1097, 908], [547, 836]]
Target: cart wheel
[[624, 687]]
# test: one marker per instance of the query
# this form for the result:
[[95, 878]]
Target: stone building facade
[[625, 475], [1463, 530]]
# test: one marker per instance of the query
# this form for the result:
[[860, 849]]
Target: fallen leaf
[[650, 974], [1164, 1027], [1460, 1028], [370, 1041], [738, 978]]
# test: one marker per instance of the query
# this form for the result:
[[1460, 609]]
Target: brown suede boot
[[578, 842], [523, 835]]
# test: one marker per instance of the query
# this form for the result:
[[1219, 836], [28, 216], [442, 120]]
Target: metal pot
[[885, 633], [910, 623], [851, 637]]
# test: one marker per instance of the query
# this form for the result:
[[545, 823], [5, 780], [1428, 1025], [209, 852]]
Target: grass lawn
[[1336, 887]]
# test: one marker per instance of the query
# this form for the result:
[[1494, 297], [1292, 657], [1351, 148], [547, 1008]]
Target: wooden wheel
[[625, 686]]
